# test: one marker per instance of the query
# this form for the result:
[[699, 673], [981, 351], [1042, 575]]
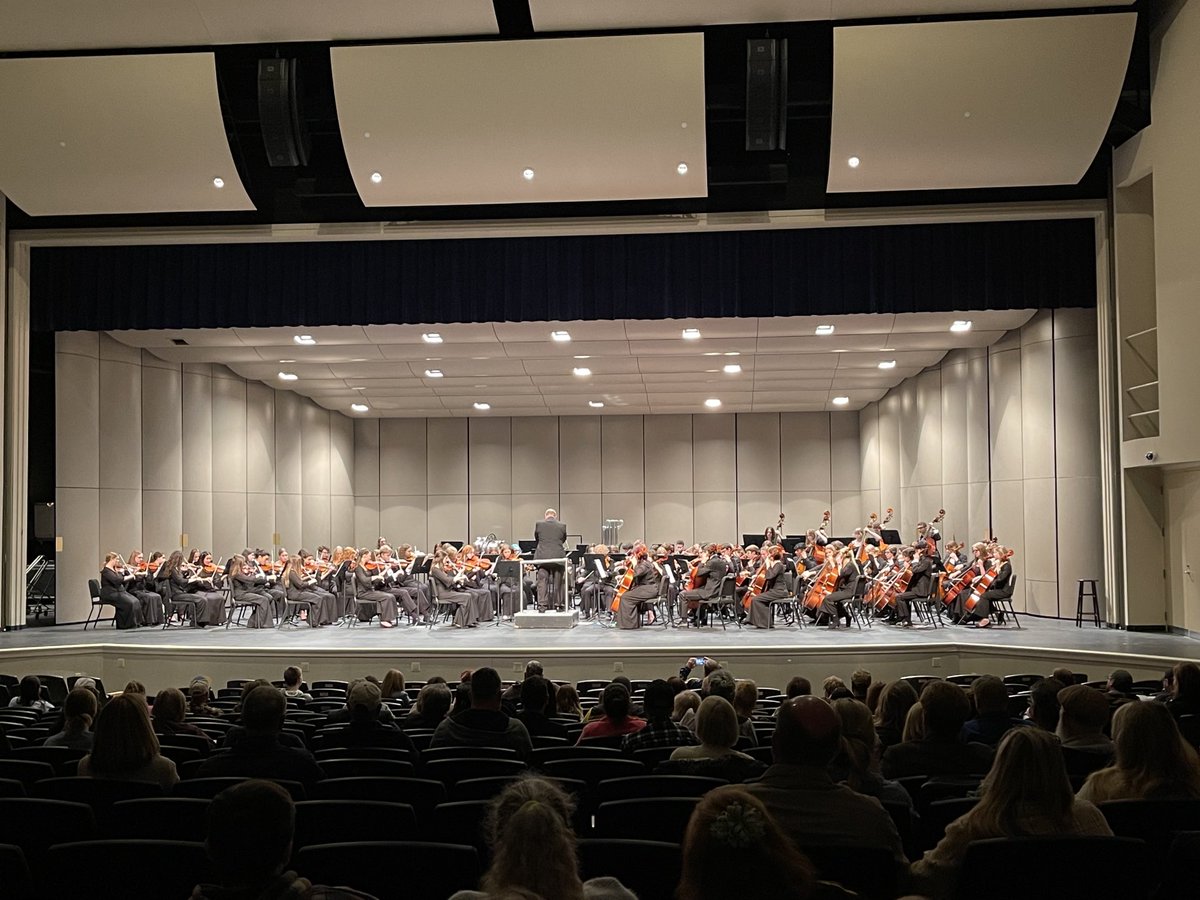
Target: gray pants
[[550, 586]]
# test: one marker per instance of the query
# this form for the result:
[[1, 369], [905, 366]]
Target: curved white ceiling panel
[[115, 134], [998, 103], [602, 118]]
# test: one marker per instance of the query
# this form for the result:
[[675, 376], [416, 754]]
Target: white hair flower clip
[[739, 826]]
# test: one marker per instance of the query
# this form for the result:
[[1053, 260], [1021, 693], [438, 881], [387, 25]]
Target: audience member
[[135, 687], [710, 665], [1043, 704], [660, 730], [677, 684], [29, 693], [345, 714], [686, 704], [513, 693], [566, 702], [873, 693], [1064, 676], [483, 724], [124, 746], [735, 848], [431, 708], [1082, 718], [79, 711], [797, 686], [860, 683], [1026, 793], [914, 724], [745, 699], [1185, 690], [1168, 686], [258, 815], [393, 687], [293, 679], [534, 696], [831, 684], [199, 695], [894, 702], [1152, 761], [616, 719], [1119, 688], [259, 753], [942, 751], [365, 728], [992, 720], [462, 698], [86, 682], [798, 791], [534, 849], [717, 730], [857, 764], [168, 715]]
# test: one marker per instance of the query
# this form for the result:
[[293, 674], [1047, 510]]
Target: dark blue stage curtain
[[993, 265]]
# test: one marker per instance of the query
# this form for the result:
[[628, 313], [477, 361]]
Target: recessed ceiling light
[[681, 168], [287, 360], [824, 330], [582, 371], [304, 340], [733, 369], [583, 357], [712, 402], [961, 325], [561, 336], [433, 373], [482, 406], [732, 353], [359, 407], [837, 351], [887, 349], [691, 334], [840, 401], [218, 182], [596, 404], [853, 162], [887, 364], [288, 376], [431, 337], [376, 178], [528, 174], [712, 353], [357, 387], [358, 359]]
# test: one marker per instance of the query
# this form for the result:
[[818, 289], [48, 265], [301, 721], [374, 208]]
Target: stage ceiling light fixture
[[841, 401], [854, 162], [691, 334], [218, 182], [433, 373], [528, 174], [825, 330], [733, 369], [887, 364], [682, 168], [961, 325], [288, 376], [304, 340], [596, 404], [712, 403], [581, 371], [376, 177], [431, 337], [482, 407], [359, 407], [562, 337]]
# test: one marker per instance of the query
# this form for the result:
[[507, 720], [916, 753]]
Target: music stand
[[457, 545], [790, 544], [509, 571], [527, 546]]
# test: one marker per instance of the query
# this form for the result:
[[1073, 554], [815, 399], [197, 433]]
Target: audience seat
[[98, 793], [180, 755], [1051, 868], [422, 794], [192, 741], [652, 756], [35, 825], [480, 788], [26, 771], [1154, 821], [399, 754], [449, 771], [593, 771], [11, 787], [462, 822], [870, 872], [939, 814], [14, 873], [1183, 861], [654, 818], [763, 754], [339, 821], [651, 869], [548, 740], [377, 868], [207, 788], [64, 759], [543, 755], [160, 818], [126, 869], [436, 753], [367, 768], [646, 786]]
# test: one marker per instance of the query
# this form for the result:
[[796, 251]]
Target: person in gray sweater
[[484, 724]]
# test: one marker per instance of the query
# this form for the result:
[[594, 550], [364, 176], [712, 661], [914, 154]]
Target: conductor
[[551, 537]]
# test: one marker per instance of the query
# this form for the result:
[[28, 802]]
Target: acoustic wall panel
[[529, 509], [229, 522], [1037, 409], [806, 451], [714, 515], [230, 442], [367, 527], [583, 515], [403, 456], [844, 451], [197, 520], [197, 427], [579, 454], [668, 452], [77, 413], [714, 454], [120, 520], [315, 518], [260, 439], [367, 469], [314, 450], [288, 521], [446, 464], [77, 520], [341, 456], [489, 451], [162, 520], [758, 452], [1005, 418], [288, 460], [535, 458], [622, 464], [490, 514], [120, 409], [447, 519]]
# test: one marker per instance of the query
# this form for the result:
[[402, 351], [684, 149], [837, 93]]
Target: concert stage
[[589, 650]]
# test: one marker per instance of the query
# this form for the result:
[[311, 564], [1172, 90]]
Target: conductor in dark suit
[[551, 537]]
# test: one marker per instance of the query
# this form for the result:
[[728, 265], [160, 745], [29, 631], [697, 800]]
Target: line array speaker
[[766, 94], [284, 133]]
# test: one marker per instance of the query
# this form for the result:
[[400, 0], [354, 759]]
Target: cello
[[757, 584], [824, 584], [985, 580], [626, 582]]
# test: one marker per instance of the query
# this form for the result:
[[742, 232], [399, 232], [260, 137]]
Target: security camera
[[1151, 455]]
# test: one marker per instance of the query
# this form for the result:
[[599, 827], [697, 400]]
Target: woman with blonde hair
[[1151, 759], [533, 847], [717, 729], [566, 702], [1027, 793], [914, 724], [125, 747]]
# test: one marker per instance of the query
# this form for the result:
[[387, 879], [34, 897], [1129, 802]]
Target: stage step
[[531, 618]]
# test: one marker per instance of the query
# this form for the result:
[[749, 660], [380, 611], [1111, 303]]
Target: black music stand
[[790, 544], [509, 571], [527, 546]]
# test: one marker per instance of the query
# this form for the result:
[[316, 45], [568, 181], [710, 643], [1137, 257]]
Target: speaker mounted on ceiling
[[285, 135], [766, 94]]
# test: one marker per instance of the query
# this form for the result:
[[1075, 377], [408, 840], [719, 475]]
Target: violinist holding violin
[[365, 589], [114, 583], [248, 587], [766, 586], [994, 584], [204, 583], [143, 574]]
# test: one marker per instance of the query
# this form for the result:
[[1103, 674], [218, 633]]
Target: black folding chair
[[97, 607], [434, 753], [98, 793]]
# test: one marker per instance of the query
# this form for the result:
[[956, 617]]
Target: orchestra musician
[[299, 587], [266, 570], [115, 582], [152, 604], [474, 580], [248, 587], [365, 588], [834, 605], [597, 590], [642, 593], [551, 537], [773, 587], [406, 558], [1000, 588], [919, 583], [710, 568], [176, 578], [386, 578], [448, 589]]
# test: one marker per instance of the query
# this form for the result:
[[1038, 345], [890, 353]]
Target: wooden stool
[[1089, 593]]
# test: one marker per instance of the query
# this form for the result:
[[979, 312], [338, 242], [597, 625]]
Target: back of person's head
[[798, 686], [1120, 681], [624, 681], [566, 699], [873, 694], [734, 848], [363, 701], [659, 699], [745, 698], [710, 666], [1083, 711], [946, 708], [1028, 778], [1043, 703], [859, 740], [1063, 674], [1186, 681], [534, 694], [914, 724], [716, 722], [721, 683], [485, 686], [807, 732], [170, 705], [433, 701], [991, 696], [79, 709], [30, 689], [292, 676], [683, 702], [615, 702], [124, 741], [135, 687], [393, 683], [831, 684], [1151, 754], [253, 814], [860, 681], [533, 846], [894, 703], [263, 710], [677, 684], [533, 667]]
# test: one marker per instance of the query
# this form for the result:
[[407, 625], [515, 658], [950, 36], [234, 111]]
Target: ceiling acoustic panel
[[974, 104], [115, 134], [878, 9], [601, 118]]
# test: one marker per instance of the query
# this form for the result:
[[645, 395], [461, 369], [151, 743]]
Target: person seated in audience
[[616, 720], [124, 746], [1119, 689], [292, 679], [797, 686], [199, 695], [365, 728], [831, 684], [686, 704], [992, 720], [714, 755], [535, 696], [168, 715], [29, 695], [660, 730], [512, 694], [393, 688], [685, 671], [873, 694], [345, 714], [484, 724], [259, 753], [1151, 759], [734, 848], [857, 764], [249, 843], [635, 705], [1083, 716], [1063, 675], [88, 683], [566, 702], [895, 700], [1026, 793], [79, 711], [802, 797], [942, 751], [860, 683], [745, 698], [528, 827], [1043, 704], [1185, 690], [433, 703], [722, 684], [914, 724]]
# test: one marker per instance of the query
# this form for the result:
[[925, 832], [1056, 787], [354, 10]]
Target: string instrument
[[818, 550], [625, 584], [876, 595], [779, 528], [872, 523], [693, 578], [899, 585], [757, 584], [825, 582], [957, 583], [887, 517], [930, 543], [985, 581]]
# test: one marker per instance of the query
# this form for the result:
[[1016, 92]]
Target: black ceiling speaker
[[284, 133], [766, 94]]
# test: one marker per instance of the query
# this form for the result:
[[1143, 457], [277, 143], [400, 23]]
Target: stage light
[[596, 404], [733, 369], [431, 337], [853, 162], [528, 174], [824, 330], [304, 340], [840, 401], [561, 336], [288, 376], [433, 373], [961, 325], [682, 168], [376, 178], [482, 407], [712, 403], [691, 334], [218, 182], [359, 407], [888, 364], [581, 371]]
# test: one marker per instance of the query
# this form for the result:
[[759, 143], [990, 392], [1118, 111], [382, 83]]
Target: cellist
[[998, 587], [767, 585], [920, 565], [641, 592], [833, 605], [706, 582]]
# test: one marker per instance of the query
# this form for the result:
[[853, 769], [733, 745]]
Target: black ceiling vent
[[283, 130], [766, 94]]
